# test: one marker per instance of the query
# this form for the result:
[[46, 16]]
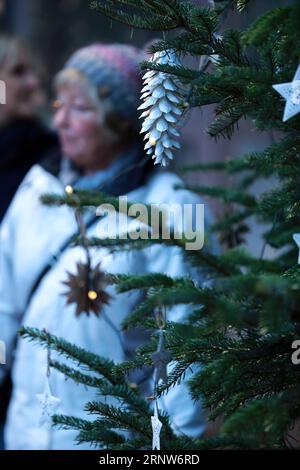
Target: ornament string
[[48, 364], [84, 240]]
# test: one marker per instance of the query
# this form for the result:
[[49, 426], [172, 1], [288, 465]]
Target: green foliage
[[237, 335], [128, 410]]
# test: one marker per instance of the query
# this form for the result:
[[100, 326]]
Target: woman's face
[[24, 94], [79, 123]]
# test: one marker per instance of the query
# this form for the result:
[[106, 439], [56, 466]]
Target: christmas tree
[[245, 324]]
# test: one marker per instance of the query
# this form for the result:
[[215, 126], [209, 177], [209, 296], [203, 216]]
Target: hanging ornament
[[87, 289], [291, 92], [87, 286], [296, 238], [161, 359], [48, 404], [47, 401], [156, 428], [212, 58], [163, 108]]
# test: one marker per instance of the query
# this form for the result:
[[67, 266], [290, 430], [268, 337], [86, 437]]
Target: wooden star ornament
[[87, 289]]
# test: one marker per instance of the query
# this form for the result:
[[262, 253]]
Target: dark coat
[[22, 144]]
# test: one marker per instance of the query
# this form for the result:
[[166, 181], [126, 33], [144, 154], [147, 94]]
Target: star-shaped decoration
[[296, 238], [156, 428], [48, 404], [86, 289], [291, 92], [161, 359]]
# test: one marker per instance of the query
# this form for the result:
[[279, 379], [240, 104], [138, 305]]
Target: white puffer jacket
[[30, 233]]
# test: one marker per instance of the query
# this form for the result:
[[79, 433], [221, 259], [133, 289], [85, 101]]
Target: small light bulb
[[69, 189], [152, 141], [133, 385], [92, 295], [56, 104]]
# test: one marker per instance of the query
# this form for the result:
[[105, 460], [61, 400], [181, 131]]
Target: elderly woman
[[96, 118]]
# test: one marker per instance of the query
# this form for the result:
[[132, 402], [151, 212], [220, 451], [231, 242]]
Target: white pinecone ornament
[[164, 105]]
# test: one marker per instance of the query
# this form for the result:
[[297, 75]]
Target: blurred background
[[56, 28]]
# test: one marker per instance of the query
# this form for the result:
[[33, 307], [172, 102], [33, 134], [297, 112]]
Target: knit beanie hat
[[114, 70]]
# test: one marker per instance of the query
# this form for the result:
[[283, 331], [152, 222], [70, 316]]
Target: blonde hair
[[13, 50], [67, 78]]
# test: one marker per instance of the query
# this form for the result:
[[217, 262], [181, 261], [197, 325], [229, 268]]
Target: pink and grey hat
[[114, 70]]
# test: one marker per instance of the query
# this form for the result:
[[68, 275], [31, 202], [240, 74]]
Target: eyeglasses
[[73, 108]]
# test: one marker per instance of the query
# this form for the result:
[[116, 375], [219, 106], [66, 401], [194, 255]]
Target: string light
[[69, 189], [92, 295]]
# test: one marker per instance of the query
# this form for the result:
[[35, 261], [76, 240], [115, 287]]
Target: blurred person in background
[[96, 117], [24, 140]]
